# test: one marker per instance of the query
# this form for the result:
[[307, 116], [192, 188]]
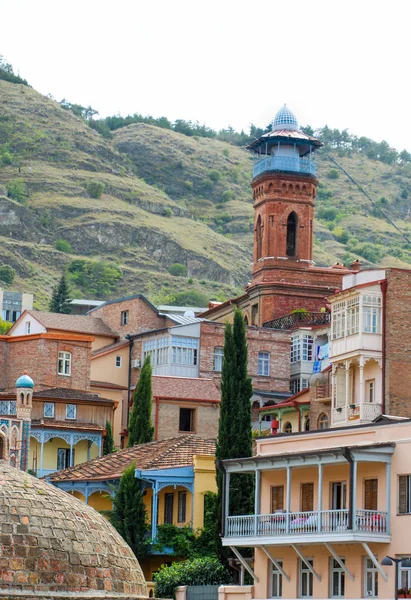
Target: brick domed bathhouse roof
[[54, 546]]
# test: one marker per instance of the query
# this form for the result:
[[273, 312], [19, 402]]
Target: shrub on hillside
[[341, 235], [214, 175], [63, 246], [17, 190], [190, 298], [370, 252], [7, 274], [178, 270], [95, 278], [328, 213], [168, 212], [333, 174], [6, 158], [200, 571], [227, 195], [95, 189]]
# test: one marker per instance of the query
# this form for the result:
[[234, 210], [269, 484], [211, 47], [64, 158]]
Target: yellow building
[[177, 473]]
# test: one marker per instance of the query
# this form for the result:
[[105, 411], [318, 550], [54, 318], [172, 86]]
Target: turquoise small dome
[[25, 382], [285, 119]]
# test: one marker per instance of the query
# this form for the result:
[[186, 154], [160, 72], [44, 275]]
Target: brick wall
[[317, 408], [168, 412], [141, 316], [39, 357], [398, 343]]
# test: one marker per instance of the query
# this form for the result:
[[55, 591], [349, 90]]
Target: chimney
[[356, 265], [274, 426]]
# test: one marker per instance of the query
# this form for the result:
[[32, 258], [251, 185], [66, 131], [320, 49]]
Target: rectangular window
[[184, 351], [71, 411], [338, 320], [370, 494], [307, 342], [337, 579], [295, 349], [48, 410], [371, 314], [353, 315], [254, 314], [187, 419], [124, 317], [119, 361], [307, 497], [338, 495], [306, 579], [182, 507], [404, 495], [404, 577], [63, 458], [168, 508], [370, 390], [64, 364], [370, 579], [277, 498], [28, 327], [218, 358], [264, 363], [295, 386], [276, 581]]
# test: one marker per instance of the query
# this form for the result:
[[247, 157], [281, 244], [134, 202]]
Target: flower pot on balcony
[[339, 409], [352, 406]]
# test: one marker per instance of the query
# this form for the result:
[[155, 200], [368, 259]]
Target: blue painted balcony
[[285, 163]]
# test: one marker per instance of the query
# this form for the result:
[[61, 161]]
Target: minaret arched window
[[292, 223], [259, 237]]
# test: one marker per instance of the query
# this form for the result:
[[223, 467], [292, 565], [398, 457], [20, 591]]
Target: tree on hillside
[[108, 442], [140, 429], [60, 300], [235, 429], [128, 514]]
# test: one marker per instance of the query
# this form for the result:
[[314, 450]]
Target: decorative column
[[388, 494], [41, 453], [288, 506], [320, 496], [71, 450], [257, 499], [354, 494], [347, 385], [154, 512], [226, 501], [361, 387], [333, 386]]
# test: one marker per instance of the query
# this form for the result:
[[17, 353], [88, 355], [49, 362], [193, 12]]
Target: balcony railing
[[326, 521], [285, 163], [299, 318], [367, 411]]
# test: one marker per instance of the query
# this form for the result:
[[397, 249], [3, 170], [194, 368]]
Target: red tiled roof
[[66, 425], [74, 323], [110, 347], [185, 388], [296, 399], [162, 454], [108, 385], [68, 394]]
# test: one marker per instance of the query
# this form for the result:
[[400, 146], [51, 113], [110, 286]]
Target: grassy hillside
[[167, 199]]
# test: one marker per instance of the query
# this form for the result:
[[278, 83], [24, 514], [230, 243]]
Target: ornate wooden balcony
[[299, 319]]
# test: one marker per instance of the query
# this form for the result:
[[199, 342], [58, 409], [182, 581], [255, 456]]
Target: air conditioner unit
[[136, 364]]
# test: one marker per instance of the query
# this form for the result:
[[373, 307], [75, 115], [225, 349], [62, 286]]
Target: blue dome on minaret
[[25, 381], [285, 119]]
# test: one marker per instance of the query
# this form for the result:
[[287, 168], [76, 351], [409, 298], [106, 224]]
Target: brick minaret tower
[[284, 186], [24, 405]]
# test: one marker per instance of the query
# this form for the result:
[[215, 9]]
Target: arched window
[[292, 222], [246, 320], [323, 422], [287, 427], [307, 424], [259, 237]]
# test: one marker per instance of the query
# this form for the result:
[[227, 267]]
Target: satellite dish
[[189, 313]]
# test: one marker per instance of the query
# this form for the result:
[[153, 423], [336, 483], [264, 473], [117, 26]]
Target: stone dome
[[25, 381], [53, 545], [285, 119]]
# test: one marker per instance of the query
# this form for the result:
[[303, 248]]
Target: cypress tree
[[108, 442], [128, 514], [60, 302], [235, 427], [141, 430]]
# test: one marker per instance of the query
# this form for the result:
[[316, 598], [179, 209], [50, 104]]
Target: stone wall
[[167, 419]]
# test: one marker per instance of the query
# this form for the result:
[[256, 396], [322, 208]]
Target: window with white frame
[[28, 327], [71, 411], [404, 495], [64, 364], [184, 350], [119, 361], [307, 344], [124, 317], [338, 320], [264, 363], [218, 358], [304, 383], [370, 390], [371, 314], [306, 579], [158, 350], [370, 579], [353, 315], [149, 349], [48, 410], [337, 579], [276, 590], [404, 576], [295, 386], [295, 349], [302, 348]]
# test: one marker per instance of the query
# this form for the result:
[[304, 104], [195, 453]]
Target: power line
[[375, 205]]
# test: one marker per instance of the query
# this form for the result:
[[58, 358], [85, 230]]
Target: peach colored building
[[329, 506]]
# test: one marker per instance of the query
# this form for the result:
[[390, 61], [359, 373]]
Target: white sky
[[226, 62]]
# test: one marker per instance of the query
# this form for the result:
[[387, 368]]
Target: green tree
[[178, 270], [128, 514], [5, 326], [7, 274], [17, 190], [235, 428], [63, 246], [95, 189], [141, 428], [60, 300], [108, 442]]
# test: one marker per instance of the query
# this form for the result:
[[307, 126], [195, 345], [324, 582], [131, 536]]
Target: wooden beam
[[275, 563], [244, 563], [375, 562], [305, 561], [339, 561]]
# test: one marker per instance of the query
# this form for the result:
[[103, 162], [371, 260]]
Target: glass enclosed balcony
[[285, 163]]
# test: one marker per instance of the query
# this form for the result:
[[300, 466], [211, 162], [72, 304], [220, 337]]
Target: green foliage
[[370, 252], [7, 73], [328, 213], [7, 274], [128, 514], [333, 174], [141, 430], [17, 190], [5, 326], [226, 152], [200, 571], [178, 270], [341, 234], [189, 184], [95, 189], [63, 245], [300, 311], [60, 300], [190, 298], [227, 195], [6, 158], [108, 442], [85, 113], [214, 175], [168, 212], [94, 278]]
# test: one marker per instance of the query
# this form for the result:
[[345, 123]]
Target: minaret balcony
[[285, 163]]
